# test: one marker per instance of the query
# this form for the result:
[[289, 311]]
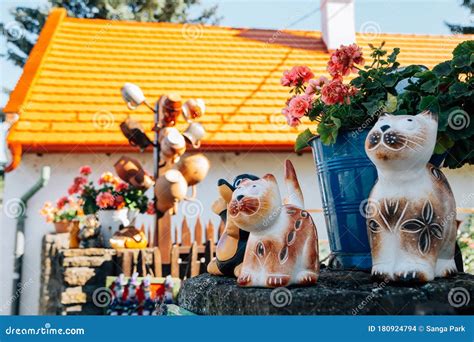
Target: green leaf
[[429, 103], [393, 56], [302, 140], [391, 103], [328, 131], [430, 86], [443, 69], [464, 48], [443, 143], [389, 80], [459, 89], [462, 61]]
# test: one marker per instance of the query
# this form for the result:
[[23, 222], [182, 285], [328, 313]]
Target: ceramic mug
[[172, 144], [169, 108], [194, 133], [132, 95], [170, 188], [193, 109]]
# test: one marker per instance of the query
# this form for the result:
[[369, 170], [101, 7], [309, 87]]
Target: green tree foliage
[[22, 33], [469, 4]]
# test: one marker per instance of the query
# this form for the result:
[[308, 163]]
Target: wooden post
[[175, 261], [194, 260], [157, 262], [185, 234], [164, 241], [198, 232]]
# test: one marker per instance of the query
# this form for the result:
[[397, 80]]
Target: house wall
[[65, 166]]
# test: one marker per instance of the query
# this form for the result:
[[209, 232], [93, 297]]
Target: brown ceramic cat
[[282, 247], [411, 221]]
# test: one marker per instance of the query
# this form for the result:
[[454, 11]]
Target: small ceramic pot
[[194, 168], [193, 109], [170, 188], [194, 133], [111, 221]]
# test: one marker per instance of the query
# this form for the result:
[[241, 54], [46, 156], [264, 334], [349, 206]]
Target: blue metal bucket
[[346, 177]]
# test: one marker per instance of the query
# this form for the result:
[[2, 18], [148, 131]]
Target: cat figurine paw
[[411, 219], [282, 247]]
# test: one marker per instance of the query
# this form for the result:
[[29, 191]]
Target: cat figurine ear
[[411, 221], [282, 247], [231, 245]]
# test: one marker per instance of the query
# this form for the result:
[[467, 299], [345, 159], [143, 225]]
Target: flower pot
[[346, 177], [110, 222], [64, 226]]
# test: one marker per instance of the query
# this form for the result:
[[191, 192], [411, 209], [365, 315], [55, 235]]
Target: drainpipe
[[20, 238]]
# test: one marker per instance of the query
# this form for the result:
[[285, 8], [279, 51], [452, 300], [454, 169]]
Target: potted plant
[[112, 201], [345, 112], [65, 216]]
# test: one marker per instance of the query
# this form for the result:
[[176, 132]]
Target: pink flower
[[119, 202], [299, 106], [342, 61], [292, 121], [85, 170], [105, 200], [296, 76], [336, 92], [315, 85], [121, 186], [62, 202]]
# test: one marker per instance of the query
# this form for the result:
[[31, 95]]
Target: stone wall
[[69, 277]]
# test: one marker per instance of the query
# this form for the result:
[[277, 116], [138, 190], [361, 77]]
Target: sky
[[389, 16]]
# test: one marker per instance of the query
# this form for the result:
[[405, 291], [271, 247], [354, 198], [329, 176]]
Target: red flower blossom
[[119, 202], [296, 76], [315, 85], [76, 186], [151, 208], [299, 106], [105, 200], [336, 92], [85, 170], [342, 61], [62, 202], [121, 186]]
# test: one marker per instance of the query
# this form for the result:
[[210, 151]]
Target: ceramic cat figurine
[[230, 248], [282, 248], [411, 217]]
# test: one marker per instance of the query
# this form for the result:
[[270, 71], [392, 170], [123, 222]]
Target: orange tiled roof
[[69, 97]]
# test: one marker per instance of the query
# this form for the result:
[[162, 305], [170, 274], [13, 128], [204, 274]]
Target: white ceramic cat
[[411, 209], [282, 248]]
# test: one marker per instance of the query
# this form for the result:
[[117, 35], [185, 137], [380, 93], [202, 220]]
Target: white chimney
[[337, 23]]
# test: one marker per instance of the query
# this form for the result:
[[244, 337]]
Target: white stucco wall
[[223, 165]]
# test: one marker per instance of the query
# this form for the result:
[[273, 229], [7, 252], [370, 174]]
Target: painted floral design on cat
[[282, 248], [412, 228]]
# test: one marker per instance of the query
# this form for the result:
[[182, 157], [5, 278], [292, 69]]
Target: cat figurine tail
[[282, 248], [231, 245]]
